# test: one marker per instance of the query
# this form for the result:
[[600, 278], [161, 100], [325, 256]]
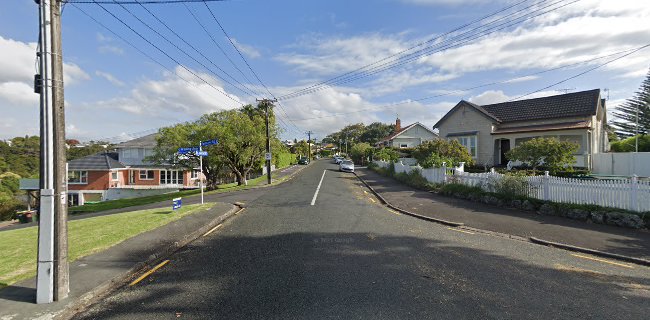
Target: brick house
[[125, 173], [489, 131]]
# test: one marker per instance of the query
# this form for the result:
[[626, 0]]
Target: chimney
[[398, 125]]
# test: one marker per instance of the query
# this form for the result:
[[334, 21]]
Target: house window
[[403, 145], [114, 176], [146, 175], [77, 177], [469, 142], [577, 139], [171, 177], [195, 174]]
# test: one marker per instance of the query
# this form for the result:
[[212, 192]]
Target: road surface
[[348, 257]]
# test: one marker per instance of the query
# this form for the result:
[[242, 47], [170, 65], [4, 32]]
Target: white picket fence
[[629, 194]]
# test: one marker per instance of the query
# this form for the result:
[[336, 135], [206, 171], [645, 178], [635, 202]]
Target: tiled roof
[[100, 161], [575, 104], [148, 141], [395, 134]]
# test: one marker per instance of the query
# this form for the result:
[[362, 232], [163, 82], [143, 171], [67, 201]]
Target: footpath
[[610, 239], [93, 276]]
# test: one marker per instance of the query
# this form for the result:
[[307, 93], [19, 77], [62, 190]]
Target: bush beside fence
[[628, 194]]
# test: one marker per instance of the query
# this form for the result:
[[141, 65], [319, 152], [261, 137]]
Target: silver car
[[346, 166]]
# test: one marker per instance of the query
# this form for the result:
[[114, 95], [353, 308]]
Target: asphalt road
[[348, 257]]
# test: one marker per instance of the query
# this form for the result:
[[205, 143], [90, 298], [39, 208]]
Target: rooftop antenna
[[607, 90], [565, 90]]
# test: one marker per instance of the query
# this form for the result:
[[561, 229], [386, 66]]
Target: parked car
[[303, 160], [337, 159], [346, 166]]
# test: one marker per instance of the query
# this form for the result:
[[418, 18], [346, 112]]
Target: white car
[[337, 159], [346, 166]]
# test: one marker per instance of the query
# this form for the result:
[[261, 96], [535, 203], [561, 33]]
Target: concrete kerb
[[514, 237], [413, 214], [590, 251], [109, 286]]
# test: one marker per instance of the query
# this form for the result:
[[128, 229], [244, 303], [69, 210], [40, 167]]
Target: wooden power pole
[[61, 268], [266, 103], [309, 142]]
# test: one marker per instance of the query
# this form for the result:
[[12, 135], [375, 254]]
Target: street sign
[[202, 153], [188, 150], [209, 142], [176, 203], [267, 156]]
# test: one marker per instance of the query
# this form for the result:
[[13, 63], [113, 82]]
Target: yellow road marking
[[240, 211], [602, 260], [212, 230], [148, 273], [393, 211], [364, 191], [459, 230], [373, 200]]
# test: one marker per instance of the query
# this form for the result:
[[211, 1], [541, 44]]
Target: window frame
[[115, 176], [403, 145], [469, 139], [83, 177], [146, 175]]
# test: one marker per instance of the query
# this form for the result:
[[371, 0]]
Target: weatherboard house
[[489, 131], [125, 173], [410, 136]]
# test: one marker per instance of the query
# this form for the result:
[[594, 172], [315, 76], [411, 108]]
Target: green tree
[[629, 144], [433, 153], [386, 154], [94, 147], [375, 132], [627, 112], [360, 152], [301, 148], [552, 153]]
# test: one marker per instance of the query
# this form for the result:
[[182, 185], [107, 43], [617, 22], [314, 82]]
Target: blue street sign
[[209, 142], [176, 203], [202, 153], [188, 150]]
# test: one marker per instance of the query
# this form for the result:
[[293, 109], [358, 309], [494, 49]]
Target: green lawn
[[124, 203], [86, 236]]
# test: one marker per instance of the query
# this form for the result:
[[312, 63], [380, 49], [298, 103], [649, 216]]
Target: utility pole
[[266, 103], [52, 272], [309, 142], [61, 275]]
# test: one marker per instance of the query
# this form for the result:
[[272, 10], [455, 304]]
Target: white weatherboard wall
[[622, 164]]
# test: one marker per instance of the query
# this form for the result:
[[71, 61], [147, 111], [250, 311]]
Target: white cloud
[[18, 93], [170, 97], [111, 49], [249, 51], [497, 96], [110, 78]]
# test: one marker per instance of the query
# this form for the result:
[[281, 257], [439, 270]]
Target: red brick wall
[[97, 180], [154, 182]]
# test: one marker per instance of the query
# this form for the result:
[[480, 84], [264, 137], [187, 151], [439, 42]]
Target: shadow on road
[[368, 276]]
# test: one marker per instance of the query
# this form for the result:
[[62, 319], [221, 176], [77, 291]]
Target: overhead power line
[[453, 42], [451, 92], [140, 2], [248, 65]]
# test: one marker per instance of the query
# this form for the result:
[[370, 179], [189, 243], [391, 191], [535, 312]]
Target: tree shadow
[[17, 293], [369, 275]]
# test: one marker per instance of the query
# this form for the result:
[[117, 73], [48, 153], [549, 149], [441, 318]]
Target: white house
[[408, 137]]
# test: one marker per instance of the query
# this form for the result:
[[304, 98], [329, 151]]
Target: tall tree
[[376, 131], [626, 125]]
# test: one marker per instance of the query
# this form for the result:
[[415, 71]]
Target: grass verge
[[86, 236]]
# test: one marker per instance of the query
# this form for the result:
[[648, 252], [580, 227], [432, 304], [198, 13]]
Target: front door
[[505, 147]]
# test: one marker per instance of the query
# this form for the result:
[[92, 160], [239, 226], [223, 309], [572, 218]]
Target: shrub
[[285, 159], [433, 153], [457, 188], [552, 153], [386, 154], [413, 179], [510, 186]]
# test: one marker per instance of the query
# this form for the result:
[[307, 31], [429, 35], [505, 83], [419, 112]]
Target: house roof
[[394, 135], [100, 161], [576, 104], [148, 141], [544, 127]]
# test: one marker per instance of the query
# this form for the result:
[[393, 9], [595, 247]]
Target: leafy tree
[[376, 131], [386, 154], [301, 148], [433, 153], [554, 154], [627, 112], [89, 149], [629, 144], [360, 152]]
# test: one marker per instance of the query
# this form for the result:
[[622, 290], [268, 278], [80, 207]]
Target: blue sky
[[113, 91]]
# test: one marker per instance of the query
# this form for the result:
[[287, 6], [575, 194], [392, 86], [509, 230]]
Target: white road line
[[313, 200]]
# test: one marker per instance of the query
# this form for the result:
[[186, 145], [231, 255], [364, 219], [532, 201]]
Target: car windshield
[[347, 162]]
